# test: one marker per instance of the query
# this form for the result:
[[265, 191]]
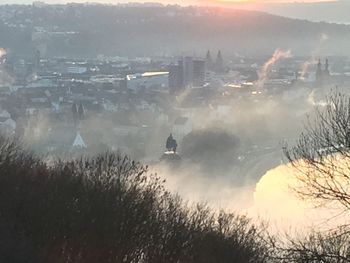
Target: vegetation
[[331, 247], [322, 155], [109, 209], [322, 159]]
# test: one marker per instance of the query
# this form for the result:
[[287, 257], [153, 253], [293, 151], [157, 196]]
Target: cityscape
[[136, 117]]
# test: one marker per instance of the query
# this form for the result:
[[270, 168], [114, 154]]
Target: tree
[[322, 154], [332, 247], [321, 158], [108, 208]]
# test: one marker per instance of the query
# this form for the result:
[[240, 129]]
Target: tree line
[[109, 208]]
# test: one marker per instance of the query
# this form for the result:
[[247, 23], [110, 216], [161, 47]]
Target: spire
[[219, 55], [219, 62], [326, 71], [319, 64], [208, 55], [319, 72], [81, 111], [209, 61]]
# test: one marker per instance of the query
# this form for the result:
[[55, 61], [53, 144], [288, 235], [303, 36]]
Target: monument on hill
[[171, 144], [170, 155]]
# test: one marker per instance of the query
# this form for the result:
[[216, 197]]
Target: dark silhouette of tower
[[75, 111], [322, 75], [176, 78], [75, 114], [81, 111], [209, 61], [219, 64], [326, 70], [198, 73], [319, 73], [188, 71]]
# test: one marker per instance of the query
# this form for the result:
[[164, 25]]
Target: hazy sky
[[183, 2]]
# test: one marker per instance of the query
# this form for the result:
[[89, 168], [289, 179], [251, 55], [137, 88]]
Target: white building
[[148, 80], [79, 142]]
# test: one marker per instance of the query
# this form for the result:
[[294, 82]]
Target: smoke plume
[[265, 71], [5, 77], [313, 60]]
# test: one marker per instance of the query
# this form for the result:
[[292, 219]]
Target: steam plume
[[306, 65], [5, 78], [265, 71], [2, 53]]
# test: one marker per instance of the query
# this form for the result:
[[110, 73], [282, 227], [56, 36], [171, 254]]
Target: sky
[[182, 2]]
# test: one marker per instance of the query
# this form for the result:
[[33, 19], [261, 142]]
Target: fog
[[240, 117], [231, 160]]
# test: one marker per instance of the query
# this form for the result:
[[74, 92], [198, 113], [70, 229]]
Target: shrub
[[109, 209]]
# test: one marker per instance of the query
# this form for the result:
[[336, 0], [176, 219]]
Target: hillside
[[334, 11], [89, 30]]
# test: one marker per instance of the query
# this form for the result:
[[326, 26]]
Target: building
[[219, 63], [209, 61], [148, 80], [79, 142], [322, 74], [198, 73], [189, 72], [175, 78]]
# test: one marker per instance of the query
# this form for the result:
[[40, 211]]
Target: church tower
[[326, 70], [319, 73], [209, 61], [219, 62]]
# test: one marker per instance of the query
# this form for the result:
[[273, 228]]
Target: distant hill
[[89, 30], [329, 11]]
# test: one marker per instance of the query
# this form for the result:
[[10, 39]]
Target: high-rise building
[[188, 71], [198, 73], [176, 78]]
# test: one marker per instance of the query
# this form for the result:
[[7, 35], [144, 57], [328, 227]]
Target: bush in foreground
[[109, 209]]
